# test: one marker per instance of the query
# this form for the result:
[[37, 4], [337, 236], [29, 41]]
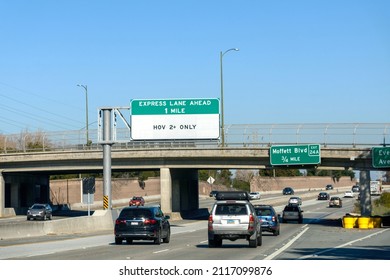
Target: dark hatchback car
[[142, 223], [40, 211], [323, 196], [288, 190], [269, 219], [329, 187]]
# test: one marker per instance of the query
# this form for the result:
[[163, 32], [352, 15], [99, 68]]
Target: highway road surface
[[320, 237]]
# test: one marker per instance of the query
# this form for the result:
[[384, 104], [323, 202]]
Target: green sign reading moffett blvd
[[380, 157], [295, 154]]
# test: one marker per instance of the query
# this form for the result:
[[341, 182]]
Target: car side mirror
[[167, 217]]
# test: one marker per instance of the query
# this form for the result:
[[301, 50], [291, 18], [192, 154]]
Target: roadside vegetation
[[380, 206]]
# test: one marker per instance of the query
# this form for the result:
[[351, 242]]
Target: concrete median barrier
[[101, 220], [21, 230]]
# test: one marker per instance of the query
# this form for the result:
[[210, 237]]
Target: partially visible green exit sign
[[380, 157], [295, 154]]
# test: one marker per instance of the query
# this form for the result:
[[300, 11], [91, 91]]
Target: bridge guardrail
[[236, 135]]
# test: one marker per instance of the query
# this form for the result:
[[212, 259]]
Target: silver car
[[40, 211], [233, 217], [295, 200]]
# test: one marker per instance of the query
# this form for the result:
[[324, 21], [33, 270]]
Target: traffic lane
[[321, 242], [188, 241], [56, 245], [325, 238]]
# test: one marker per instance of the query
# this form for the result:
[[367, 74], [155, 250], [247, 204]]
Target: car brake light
[[251, 222], [118, 222], [150, 222], [210, 223], [273, 218]]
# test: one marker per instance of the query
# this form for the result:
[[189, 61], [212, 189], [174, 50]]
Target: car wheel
[[211, 243], [218, 243], [157, 240], [118, 240], [44, 217], [253, 242], [168, 237], [276, 232], [28, 218], [260, 240], [129, 241], [300, 221], [50, 217]]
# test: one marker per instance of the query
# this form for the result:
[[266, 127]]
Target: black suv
[[142, 223], [233, 217]]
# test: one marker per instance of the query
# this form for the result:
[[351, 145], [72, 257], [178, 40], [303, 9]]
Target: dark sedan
[[323, 196], [288, 191]]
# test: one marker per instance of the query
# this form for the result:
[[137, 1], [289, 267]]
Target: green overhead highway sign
[[295, 154], [163, 119], [380, 157]]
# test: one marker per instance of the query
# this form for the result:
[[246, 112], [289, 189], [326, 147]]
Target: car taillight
[[251, 222], [273, 218], [150, 222], [118, 222], [210, 223]]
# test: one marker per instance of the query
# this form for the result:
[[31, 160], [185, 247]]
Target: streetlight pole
[[222, 107], [86, 110]]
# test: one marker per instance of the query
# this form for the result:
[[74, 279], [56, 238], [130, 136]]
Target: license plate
[[134, 223], [231, 221]]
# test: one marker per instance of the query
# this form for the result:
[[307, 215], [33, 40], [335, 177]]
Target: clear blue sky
[[299, 61]]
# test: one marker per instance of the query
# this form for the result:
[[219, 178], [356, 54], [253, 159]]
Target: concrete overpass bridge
[[343, 146]]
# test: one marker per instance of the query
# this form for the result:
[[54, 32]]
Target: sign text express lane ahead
[[167, 119], [295, 154]]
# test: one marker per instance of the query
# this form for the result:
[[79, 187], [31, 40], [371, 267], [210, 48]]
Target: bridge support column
[[2, 195], [179, 190], [185, 187], [166, 190], [365, 195]]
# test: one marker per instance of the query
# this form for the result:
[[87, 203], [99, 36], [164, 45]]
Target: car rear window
[[231, 209], [290, 208], [135, 213], [263, 212]]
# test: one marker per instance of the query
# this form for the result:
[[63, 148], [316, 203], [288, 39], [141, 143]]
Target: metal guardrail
[[349, 135]]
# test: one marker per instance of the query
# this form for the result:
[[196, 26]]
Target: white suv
[[233, 217]]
